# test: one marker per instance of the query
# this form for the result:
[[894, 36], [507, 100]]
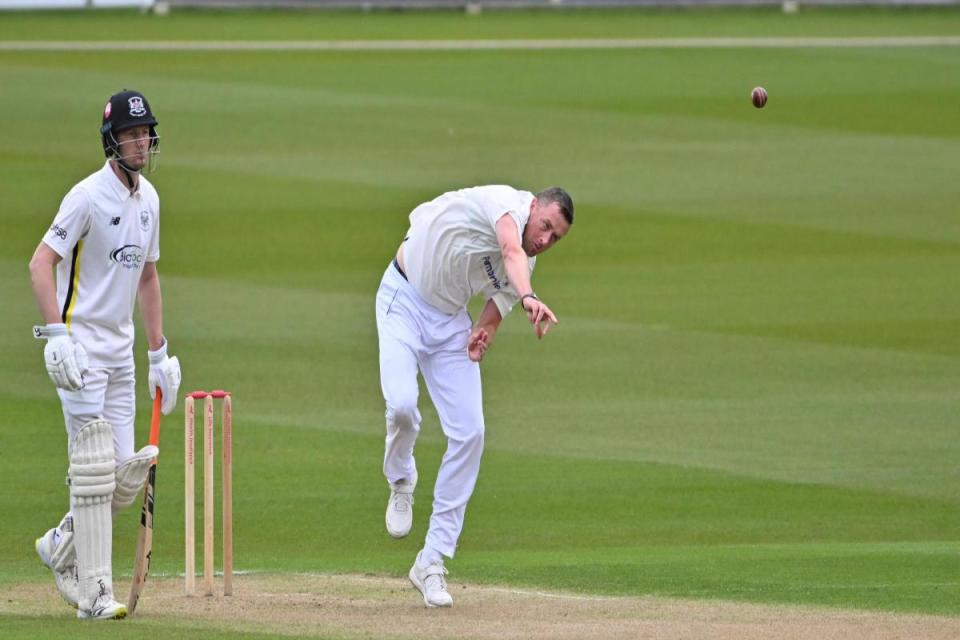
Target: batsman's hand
[[478, 343], [66, 360], [539, 316], [164, 373]]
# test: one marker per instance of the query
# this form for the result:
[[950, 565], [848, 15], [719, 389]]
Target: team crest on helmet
[[107, 109], [136, 106]]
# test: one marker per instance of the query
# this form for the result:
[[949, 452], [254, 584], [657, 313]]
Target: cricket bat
[[141, 565]]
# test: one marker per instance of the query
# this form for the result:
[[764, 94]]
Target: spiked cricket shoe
[[431, 584], [104, 608]]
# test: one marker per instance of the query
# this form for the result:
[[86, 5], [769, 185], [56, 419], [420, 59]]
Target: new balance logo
[[114, 221]]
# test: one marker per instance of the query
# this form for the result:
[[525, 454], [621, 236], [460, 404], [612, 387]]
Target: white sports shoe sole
[[104, 608], [399, 517], [116, 611]]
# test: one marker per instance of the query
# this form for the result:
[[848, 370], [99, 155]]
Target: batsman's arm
[[43, 283], [151, 305]]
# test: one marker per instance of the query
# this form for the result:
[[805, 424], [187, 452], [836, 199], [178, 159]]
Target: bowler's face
[[544, 229]]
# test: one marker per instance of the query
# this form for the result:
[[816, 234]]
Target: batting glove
[[164, 373], [66, 360]]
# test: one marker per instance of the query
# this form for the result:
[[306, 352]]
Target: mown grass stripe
[[495, 45]]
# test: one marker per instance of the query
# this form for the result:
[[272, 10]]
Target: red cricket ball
[[759, 97]]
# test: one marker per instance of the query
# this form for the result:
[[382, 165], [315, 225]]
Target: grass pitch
[[752, 394]]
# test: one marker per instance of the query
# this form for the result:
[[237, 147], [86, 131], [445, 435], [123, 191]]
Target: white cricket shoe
[[400, 508], [104, 608], [431, 584], [67, 580]]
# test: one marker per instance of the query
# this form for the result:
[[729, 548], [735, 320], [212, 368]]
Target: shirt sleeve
[[517, 219], [71, 223], [499, 200], [504, 301], [153, 251]]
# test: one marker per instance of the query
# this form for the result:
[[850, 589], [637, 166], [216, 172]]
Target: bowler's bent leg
[[398, 380], [399, 340]]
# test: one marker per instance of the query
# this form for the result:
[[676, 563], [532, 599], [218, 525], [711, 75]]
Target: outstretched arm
[[483, 332], [518, 274]]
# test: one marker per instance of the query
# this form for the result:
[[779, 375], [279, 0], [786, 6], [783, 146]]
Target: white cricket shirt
[[451, 252], [105, 235]]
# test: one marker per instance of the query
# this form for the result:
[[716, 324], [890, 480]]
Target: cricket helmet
[[125, 110]]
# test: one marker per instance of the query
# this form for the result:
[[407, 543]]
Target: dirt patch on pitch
[[350, 606]]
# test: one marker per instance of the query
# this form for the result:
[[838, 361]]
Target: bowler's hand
[[539, 316], [66, 360], [478, 343], [164, 373]]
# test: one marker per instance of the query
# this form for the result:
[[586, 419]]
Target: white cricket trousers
[[108, 394], [415, 335]]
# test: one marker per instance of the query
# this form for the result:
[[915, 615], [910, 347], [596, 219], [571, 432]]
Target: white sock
[[429, 556]]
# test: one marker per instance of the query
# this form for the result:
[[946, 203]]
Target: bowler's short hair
[[561, 197]]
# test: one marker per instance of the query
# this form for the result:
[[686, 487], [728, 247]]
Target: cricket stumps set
[[226, 465]]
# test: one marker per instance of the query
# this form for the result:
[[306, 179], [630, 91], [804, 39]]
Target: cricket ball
[[759, 97]]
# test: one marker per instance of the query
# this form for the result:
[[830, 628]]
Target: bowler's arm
[[489, 319], [482, 334], [518, 275], [514, 257]]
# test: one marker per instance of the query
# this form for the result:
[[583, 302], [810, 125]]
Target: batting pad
[[131, 476], [92, 482]]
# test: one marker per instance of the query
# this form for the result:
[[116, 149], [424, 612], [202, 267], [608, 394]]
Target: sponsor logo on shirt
[[114, 221], [488, 267], [59, 231], [129, 256]]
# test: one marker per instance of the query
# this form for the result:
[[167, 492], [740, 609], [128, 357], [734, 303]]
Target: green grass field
[[754, 391]]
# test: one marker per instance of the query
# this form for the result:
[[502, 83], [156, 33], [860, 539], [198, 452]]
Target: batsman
[[99, 257]]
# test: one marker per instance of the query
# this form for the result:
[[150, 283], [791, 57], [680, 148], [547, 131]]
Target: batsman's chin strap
[[131, 175]]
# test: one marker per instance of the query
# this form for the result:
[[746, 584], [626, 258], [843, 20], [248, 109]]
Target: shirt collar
[[117, 185]]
